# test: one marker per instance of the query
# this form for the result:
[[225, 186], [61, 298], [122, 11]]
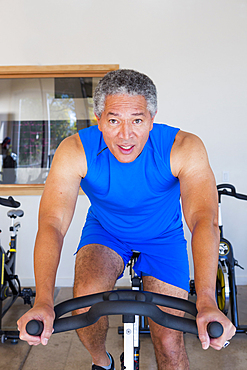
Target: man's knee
[[166, 339], [97, 269]]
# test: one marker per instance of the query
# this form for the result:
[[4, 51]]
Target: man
[[133, 172]]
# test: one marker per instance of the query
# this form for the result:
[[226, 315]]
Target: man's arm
[[55, 214], [190, 164]]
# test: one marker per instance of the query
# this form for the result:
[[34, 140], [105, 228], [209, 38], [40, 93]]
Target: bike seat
[[13, 213], [135, 254]]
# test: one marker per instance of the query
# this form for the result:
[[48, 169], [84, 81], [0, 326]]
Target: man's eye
[[113, 121], [137, 121]]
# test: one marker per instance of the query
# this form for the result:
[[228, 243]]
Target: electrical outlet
[[225, 176]]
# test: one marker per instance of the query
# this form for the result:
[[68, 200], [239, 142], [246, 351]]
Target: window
[[39, 107]]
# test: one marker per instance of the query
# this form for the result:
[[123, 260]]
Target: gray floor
[[65, 352]]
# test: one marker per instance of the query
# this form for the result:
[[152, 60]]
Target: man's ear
[[98, 121], [152, 124]]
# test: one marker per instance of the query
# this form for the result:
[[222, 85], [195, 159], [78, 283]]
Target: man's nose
[[126, 131]]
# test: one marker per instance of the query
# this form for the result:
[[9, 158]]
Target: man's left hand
[[209, 314]]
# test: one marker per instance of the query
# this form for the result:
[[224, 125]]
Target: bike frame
[[226, 256], [132, 331]]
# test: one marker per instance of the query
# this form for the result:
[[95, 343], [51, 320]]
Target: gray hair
[[125, 82]]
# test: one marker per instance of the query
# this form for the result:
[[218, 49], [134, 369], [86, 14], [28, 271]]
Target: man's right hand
[[42, 312]]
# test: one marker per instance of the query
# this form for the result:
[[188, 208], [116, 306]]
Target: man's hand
[[42, 312], [208, 314]]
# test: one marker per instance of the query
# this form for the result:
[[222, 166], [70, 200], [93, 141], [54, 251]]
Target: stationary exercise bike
[[226, 289], [10, 286]]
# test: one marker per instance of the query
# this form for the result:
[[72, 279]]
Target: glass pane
[[35, 116]]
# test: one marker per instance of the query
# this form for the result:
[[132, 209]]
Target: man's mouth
[[126, 149]]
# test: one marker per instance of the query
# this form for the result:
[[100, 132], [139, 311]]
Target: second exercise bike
[[10, 286]]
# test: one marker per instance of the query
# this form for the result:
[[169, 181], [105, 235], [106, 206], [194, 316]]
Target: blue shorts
[[164, 258]]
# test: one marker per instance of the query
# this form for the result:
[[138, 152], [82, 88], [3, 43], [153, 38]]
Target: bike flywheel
[[222, 287]]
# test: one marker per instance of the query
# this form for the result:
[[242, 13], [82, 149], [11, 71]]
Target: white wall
[[195, 51]]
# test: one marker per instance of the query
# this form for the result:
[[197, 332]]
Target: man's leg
[[96, 270], [168, 344]]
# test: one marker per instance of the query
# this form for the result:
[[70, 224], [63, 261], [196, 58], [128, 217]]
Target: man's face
[[125, 124]]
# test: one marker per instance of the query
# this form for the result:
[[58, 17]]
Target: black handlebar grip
[[35, 327], [215, 329], [9, 202], [13, 202]]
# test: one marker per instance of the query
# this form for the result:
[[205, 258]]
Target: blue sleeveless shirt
[[136, 201]]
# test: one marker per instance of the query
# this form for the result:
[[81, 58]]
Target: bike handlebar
[[228, 189], [125, 302], [9, 202]]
